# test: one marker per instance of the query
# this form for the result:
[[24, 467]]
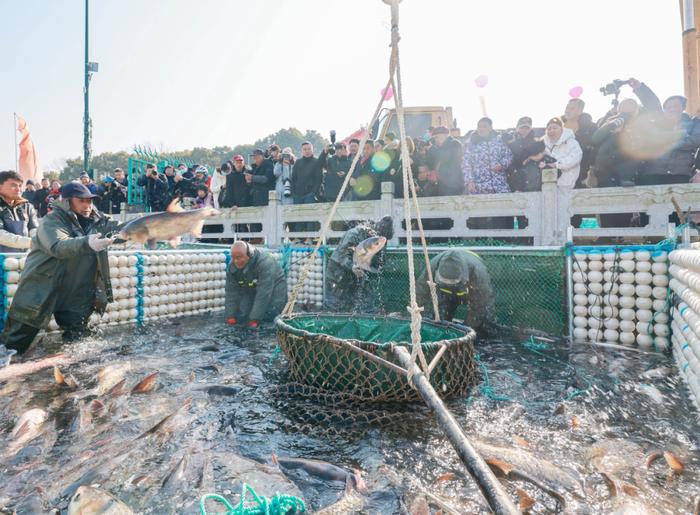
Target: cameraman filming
[[156, 188], [283, 174]]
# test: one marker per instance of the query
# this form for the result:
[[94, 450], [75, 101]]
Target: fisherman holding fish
[[354, 262], [66, 273], [460, 278], [256, 288]]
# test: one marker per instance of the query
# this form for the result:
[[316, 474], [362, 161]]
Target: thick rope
[[298, 287], [413, 308]]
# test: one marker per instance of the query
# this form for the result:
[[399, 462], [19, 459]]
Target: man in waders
[[17, 215], [256, 289], [460, 278], [66, 273]]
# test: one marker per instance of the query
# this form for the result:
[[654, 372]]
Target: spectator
[[88, 183], [120, 177], [337, 167], [18, 220], [156, 188], [114, 195], [564, 151], [40, 197], [184, 187], [392, 143], [201, 178], [216, 186], [307, 176], [367, 181], [486, 161], [583, 127], [283, 175], [274, 152], [425, 185], [679, 135], [29, 192], [523, 173], [444, 157], [54, 194], [396, 168], [170, 177], [203, 198], [379, 145], [237, 191], [260, 178], [353, 148]]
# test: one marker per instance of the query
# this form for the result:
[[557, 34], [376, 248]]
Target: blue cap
[[76, 190], [109, 179]]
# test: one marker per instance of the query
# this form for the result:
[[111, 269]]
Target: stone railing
[[539, 218]]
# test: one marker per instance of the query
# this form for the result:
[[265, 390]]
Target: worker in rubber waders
[[353, 270], [460, 277], [256, 289], [66, 273]]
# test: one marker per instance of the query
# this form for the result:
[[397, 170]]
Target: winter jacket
[[481, 154], [62, 272], [283, 174], [218, 182], [618, 160], [520, 176], [369, 180], [426, 188], [263, 182], [682, 143], [340, 279], [156, 191], [39, 200], [446, 161], [568, 154], [477, 291], [307, 177], [21, 211], [584, 136], [237, 192], [257, 291], [337, 169], [112, 198]]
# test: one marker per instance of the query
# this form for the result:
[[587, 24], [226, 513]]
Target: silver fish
[[92, 501], [28, 427], [29, 367], [365, 252], [322, 469], [168, 226]]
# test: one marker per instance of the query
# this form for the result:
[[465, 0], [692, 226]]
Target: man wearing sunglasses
[[460, 278]]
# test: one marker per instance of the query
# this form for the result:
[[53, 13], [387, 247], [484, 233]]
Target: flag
[[28, 165]]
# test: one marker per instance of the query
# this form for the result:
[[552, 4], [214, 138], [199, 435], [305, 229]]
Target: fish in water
[[28, 427], [227, 391], [365, 252], [91, 501], [29, 367], [147, 384], [166, 226], [322, 470], [110, 376]]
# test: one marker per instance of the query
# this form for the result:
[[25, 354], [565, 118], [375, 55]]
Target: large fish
[[28, 427], [365, 252], [91, 501], [322, 469], [29, 367], [168, 226]]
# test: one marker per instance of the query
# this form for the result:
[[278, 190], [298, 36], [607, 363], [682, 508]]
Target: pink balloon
[[576, 92], [388, 93], [481, 81]]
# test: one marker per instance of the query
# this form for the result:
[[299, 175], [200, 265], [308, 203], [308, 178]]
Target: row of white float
[[685, 323], [173, 283], [621, 296]]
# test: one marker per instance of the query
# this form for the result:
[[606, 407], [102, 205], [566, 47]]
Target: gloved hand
[[253, 324], [231, 321], [359, 273], [98, 243]]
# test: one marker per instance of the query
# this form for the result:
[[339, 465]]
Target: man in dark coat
[[679, 138], [18, 220], [66, 274], [40, 196], [256, 289], [337, 167], [347, 290], [367, 179], [522, 172], [445, 157], [156, 188], [113, 196], [237, 190], [460, 278], [307, 176], [261, 178]]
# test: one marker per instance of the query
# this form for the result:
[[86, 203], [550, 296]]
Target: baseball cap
[[258, 152], [440, 130], [524, 121], [109, 179], [238, 157], [76, 190], [84, 174]]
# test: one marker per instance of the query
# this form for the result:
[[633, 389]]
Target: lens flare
[[381, 161], [363, 186]]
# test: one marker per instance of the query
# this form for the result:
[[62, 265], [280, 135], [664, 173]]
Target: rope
[[139, 289], [258, 505]]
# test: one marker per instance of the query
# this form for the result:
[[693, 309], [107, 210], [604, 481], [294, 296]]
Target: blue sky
[[182, 73]]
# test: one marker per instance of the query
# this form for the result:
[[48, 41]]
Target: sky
[[176, 74]]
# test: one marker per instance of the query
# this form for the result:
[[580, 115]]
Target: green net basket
[[313, 344]]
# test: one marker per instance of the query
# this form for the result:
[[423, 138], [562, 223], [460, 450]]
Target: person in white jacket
[[218, 182], [561, 146]]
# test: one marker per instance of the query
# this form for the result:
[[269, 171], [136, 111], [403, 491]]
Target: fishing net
[[319, 357]]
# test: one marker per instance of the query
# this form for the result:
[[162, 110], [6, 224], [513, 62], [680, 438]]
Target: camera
[[287, 188], [154, 173], [549, 159], [286, 157], [613, 88], [331, 147]]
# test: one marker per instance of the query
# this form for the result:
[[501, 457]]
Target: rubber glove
[[98, 243], [253, 324], [231, 321]]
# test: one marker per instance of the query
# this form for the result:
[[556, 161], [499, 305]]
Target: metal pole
[[488, 483], [86, 94], [16, 155]]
